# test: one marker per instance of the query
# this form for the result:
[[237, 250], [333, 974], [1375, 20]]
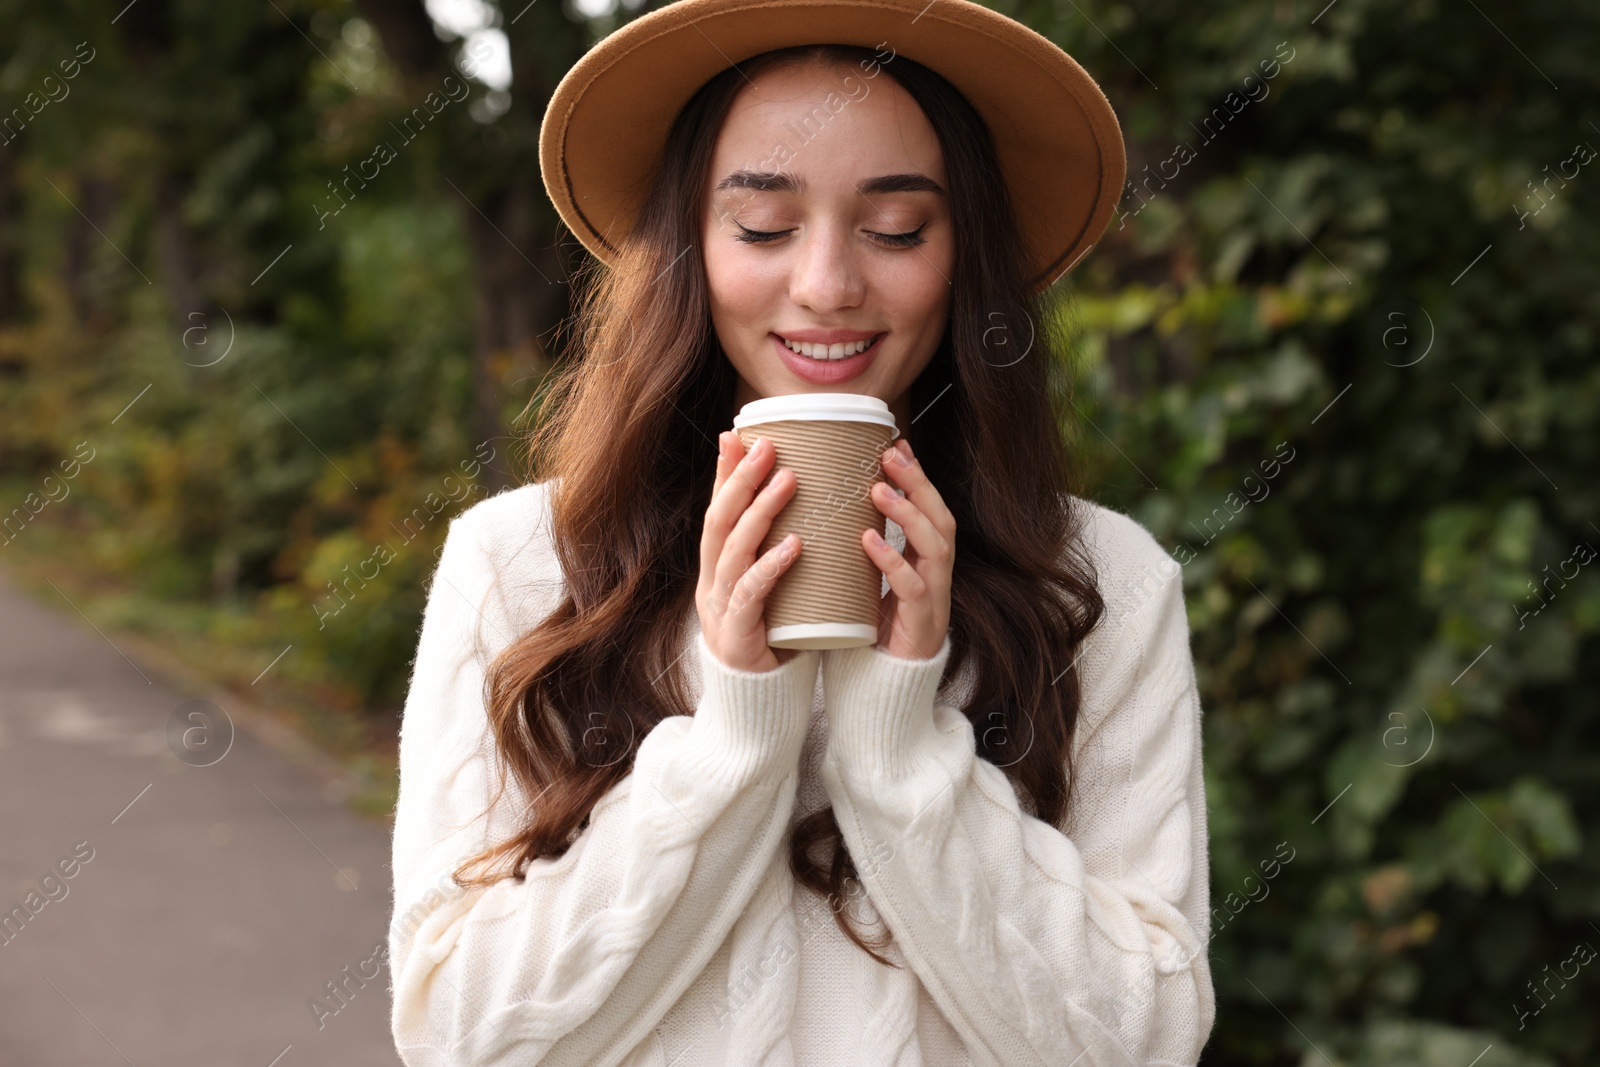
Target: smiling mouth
[[829, 353]]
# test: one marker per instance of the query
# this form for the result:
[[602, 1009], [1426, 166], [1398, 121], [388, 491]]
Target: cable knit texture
[[672, 932]]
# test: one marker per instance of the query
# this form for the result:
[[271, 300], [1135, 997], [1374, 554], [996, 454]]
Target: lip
[[826, 373], [829, 337]]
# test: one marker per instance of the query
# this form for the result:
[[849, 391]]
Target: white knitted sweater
[[672, 932]]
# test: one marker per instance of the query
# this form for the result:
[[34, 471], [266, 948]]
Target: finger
[[707, 535], [724, 465], [904, 581], [919, 490], [732, 495], [745, 618], [741, 546], [730, 452], [923, 541], [739, 455]]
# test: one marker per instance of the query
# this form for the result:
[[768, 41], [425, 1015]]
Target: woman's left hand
[[916, 612]]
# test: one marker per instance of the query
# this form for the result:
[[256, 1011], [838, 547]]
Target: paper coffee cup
[[829, 596]]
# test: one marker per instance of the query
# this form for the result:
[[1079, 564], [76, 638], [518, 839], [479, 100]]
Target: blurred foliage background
[[279, 287]]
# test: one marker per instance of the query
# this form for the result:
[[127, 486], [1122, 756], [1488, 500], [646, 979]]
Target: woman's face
[[840, 179]]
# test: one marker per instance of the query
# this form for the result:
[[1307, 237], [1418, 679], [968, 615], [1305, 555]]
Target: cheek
[[736, 287], [921, 280], [932, 296], [921, 302], [923, 298], [742, 302]]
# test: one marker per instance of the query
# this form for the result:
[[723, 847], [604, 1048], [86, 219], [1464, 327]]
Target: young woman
[[630, 832]]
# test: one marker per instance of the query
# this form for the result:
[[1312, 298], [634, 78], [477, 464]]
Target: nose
[[827, 276]]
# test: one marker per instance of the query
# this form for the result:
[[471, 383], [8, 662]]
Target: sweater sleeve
[[1040, 947], [577, 963]]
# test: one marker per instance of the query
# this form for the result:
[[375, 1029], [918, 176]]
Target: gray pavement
[[206, 907]]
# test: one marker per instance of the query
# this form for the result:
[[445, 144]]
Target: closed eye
[[900, 240], [903, 240], [750, 236]]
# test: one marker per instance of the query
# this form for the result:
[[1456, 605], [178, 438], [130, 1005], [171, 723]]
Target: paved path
[[207, 905]]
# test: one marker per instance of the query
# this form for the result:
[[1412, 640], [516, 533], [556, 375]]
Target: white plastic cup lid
[[828, 407]]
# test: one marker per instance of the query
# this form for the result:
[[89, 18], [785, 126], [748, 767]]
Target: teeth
[[828, 352]]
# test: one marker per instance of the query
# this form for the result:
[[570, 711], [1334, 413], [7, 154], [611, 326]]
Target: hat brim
[[1058, 141]]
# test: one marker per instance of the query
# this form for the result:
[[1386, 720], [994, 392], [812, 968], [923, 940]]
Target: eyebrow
[[783, 182]]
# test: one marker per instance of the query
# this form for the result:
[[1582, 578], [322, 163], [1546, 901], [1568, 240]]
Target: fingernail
[[875, 538]]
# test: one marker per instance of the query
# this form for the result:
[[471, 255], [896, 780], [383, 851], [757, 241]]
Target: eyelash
[[903, 240]]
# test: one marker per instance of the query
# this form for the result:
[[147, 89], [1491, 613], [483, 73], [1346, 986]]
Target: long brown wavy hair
[[645, 376]]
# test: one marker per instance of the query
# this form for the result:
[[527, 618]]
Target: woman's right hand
[[732, 592]]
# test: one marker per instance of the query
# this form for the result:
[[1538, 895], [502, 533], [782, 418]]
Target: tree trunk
[[521, 287], [10, 234], [521, 296], [95, 197], [176, 252]]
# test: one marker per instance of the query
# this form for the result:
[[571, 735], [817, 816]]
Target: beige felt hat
[[1058, 140]]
